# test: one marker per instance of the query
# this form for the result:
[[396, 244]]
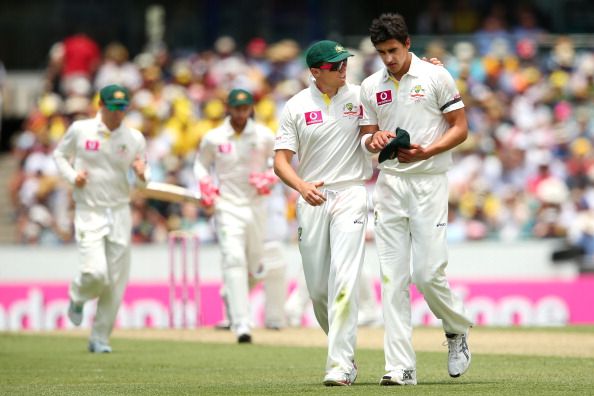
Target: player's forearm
[[452, 138], [143, 178], [200, 171], [366, 137], [285, 172], [455, 135]]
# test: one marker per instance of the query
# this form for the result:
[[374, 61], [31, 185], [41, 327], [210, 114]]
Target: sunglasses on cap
[[116, 107], [333, 66]]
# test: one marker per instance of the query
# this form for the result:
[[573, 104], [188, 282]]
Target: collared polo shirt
[[233, 157], [107, 157], [325, 135], [417, 104]]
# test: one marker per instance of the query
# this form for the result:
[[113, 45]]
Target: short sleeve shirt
[[417, 104], [325, 136], [232, 157], [107, 157]]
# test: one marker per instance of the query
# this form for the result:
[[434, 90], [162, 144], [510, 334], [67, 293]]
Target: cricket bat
[[169, 193]]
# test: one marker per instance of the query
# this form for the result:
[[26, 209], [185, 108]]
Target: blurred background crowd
[[526, 170]]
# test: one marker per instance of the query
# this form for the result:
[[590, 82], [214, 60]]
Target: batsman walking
[[422, 103]]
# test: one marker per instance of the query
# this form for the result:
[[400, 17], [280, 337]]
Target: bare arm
[[455, 135], [284, 170], [140, 166]]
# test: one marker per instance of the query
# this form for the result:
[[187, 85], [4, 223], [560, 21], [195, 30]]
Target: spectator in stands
[[116, 68], [2, 79], [434, 19], [73, 63], [527, 100]]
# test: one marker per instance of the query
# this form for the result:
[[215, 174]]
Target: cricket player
[[321, 125], [238, 156], [411, 193], [274, 264], [298, 302], [272, 269], [95, 156]]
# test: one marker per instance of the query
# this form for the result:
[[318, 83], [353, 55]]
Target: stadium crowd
[[526, 170]]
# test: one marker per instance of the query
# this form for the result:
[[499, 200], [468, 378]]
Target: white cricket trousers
[[240, 231], [103, 239], [332, 246], [275, 285], [411, 214]]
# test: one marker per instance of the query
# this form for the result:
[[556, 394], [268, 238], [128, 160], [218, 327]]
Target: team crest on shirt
[[225, 148], [417, 93], [351, 110], [313, 117], [122, 149], [383, 97]]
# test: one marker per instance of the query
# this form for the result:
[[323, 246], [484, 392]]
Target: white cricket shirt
[[233, 157], [325, 136], [416, 104], [106, 155]]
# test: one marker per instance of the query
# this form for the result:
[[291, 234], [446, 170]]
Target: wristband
[[363, 145]]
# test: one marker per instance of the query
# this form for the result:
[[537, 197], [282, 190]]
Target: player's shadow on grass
[[428, 383], [447, 382]]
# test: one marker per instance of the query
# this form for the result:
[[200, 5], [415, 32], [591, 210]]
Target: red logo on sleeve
[[313, 117], [383, 97], [92, 145]]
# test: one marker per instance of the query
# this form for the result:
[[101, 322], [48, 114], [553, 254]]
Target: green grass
[[54, 365]]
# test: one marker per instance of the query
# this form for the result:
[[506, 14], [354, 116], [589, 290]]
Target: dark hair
[[388, 26]]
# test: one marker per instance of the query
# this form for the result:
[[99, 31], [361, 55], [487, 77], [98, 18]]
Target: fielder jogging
[[95, 156]]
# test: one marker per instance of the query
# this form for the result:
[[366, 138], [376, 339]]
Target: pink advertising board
[[42, 306]]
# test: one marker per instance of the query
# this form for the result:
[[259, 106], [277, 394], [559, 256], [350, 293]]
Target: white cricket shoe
[[338, 378], [244, 335], [99, 347], [458, 354], [75, 313], [400, 377]]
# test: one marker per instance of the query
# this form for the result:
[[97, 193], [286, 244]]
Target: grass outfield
[[59, 365]]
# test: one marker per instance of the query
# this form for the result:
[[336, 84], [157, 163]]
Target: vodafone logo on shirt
[[383, 97], [313, 117], [92, 145], [225, 148]]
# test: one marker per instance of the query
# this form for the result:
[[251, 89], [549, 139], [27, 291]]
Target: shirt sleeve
[[448, 96], [286, 137], [64, 152], [204, 159], [369, 116], [270, 150], [141, 153]]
